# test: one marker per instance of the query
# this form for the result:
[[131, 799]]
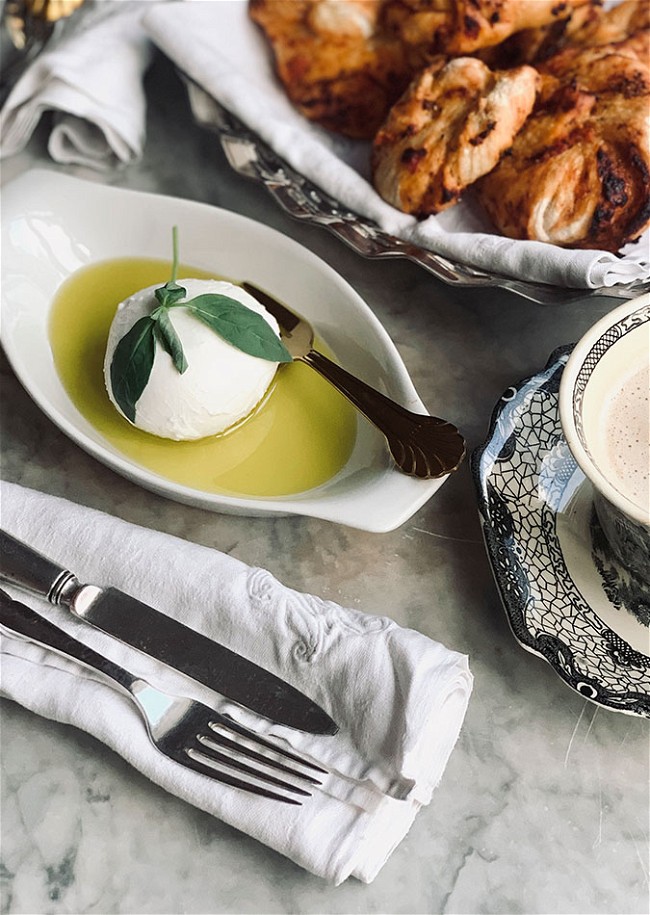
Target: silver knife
[[163, 638]]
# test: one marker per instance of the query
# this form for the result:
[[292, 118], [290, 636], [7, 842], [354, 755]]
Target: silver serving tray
[[249, 156]]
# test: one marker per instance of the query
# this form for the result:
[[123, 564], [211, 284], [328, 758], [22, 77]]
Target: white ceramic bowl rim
[[53, 223], [568, 409]]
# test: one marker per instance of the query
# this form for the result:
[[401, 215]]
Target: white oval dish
[[53, 224]]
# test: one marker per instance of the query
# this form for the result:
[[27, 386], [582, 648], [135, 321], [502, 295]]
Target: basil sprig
[[131, 365], [133, 358]]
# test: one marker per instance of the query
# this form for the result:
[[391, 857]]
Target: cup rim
[[567, 416]]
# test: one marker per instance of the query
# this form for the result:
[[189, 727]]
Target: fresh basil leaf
[[131, 365], [239, 325], [170, 293], [170, 339]]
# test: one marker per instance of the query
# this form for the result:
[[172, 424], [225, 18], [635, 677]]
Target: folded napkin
[[223, 51], [92, 79], [398, 697]]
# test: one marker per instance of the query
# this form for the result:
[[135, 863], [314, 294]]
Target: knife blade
[[163, 638]]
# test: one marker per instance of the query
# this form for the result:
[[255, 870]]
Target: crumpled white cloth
[[92, 78], [217, 45], [398, 697]]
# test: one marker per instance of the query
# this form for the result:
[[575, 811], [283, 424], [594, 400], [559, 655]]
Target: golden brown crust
[[450, 127], [343, 63], [587, 26], [533, 45], [628, 24], [578, 173], [615, 24], [337, 66], [459, 27]]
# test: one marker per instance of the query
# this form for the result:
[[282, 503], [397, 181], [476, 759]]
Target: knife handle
[[23, 566]]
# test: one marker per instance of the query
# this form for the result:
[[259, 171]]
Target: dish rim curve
[[357, 507]]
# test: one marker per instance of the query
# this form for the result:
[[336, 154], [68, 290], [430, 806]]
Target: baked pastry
[[558, 153], [616, 24], [535, 45], [578, 173], [335, 61], [587, 26], [459, 27], [449, 128]]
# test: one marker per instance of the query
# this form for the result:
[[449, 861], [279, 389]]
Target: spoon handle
[[422, 446]]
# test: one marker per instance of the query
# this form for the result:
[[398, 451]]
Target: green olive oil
[[299, 437]]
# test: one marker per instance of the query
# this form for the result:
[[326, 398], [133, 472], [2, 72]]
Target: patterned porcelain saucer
[[566, 598]]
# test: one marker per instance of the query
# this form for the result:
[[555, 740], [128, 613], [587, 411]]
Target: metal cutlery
[[186, 731], [422, 446], [163, 638]]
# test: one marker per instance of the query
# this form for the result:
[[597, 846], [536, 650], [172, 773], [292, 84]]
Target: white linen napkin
[[217, 45], [92, 78], [398, 697]]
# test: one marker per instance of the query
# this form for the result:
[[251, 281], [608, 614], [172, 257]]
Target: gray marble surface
[[543, 807]]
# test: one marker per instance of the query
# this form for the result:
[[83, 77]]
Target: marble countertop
[[543, 807]]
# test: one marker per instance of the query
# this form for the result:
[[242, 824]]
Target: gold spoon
[[422, 446]]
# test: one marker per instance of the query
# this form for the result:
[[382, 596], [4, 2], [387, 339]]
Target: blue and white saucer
[[566, 598]]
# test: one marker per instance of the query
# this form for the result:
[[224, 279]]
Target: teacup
[[605, 417]]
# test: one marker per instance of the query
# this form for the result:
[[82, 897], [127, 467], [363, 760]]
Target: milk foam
[[626, 432]]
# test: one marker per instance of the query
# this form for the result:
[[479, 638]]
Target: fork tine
[[213, 754], [233, 725], [216, 737], [217, 775], [170, 720]]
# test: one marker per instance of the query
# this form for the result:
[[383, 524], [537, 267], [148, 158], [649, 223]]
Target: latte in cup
[[624, 437], [605, 416]]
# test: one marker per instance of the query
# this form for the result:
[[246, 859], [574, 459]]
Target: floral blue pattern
[[524, 473]]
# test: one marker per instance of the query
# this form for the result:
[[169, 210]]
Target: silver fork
[[183, 729]]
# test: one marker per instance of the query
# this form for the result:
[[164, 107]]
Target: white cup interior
[[612, 351]]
